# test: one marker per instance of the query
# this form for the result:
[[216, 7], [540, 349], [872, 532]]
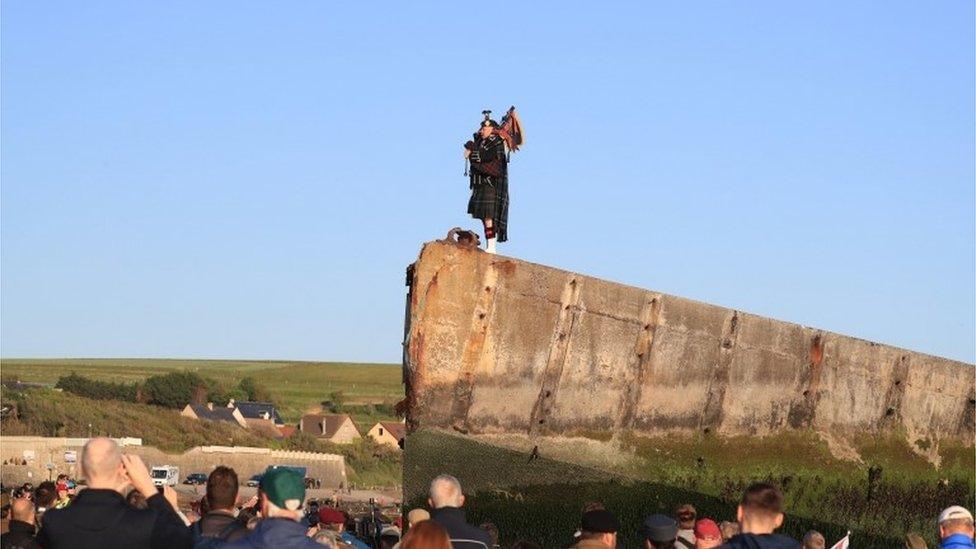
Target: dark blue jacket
[[462, 534], [957, 541], [275, 533], [761, 541]]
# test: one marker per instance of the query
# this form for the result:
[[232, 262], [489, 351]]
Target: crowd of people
[[121, 507]]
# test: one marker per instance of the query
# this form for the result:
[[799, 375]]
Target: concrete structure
[[246, 461], [388, 432], [337, 428], [496, 346]]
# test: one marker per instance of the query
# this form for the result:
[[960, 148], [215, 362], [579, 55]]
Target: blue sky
[[243, 180]]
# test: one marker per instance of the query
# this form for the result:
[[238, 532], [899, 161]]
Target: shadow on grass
[[540, 499]]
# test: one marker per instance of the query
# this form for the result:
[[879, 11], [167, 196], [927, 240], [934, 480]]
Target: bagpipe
[[510, 131]]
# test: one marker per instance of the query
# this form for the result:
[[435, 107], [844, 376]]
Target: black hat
[[659, 528], [488, 121], [600, 521]]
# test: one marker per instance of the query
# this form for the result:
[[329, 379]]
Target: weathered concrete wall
[[499, 345], [245, 461]]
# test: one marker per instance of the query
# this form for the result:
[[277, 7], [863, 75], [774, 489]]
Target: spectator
[[44, 498], [686, 515], [426, 534], [814, 540], [63, 498], [707, 534], [20, 532], [333, 519], [446, 500], [280, 498], [136, 500], [956, 528], [915, 541], [389, 537], [100, 517], [417, 515], [492, 532], [760, 513], [659, 532], [729, 529], [220, 522], [598, 530]]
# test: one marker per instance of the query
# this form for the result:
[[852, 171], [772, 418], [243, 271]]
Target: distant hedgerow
[[101, 390]]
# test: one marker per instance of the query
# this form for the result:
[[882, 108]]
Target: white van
[[165, 475]]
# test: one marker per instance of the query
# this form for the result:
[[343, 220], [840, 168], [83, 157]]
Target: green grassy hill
[[47, 412], [370, 390]]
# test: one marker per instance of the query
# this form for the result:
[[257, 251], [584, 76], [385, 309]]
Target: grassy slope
[[539, 499], [296, 385], [47, 412]]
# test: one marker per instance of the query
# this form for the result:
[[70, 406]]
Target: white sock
[[491, 246]]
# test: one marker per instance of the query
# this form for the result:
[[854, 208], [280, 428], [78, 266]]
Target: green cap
[[284, 487]]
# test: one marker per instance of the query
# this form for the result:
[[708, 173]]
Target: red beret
[[707, 529], [328, 515]]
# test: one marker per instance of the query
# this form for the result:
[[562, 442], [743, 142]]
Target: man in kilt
[[488, 173]]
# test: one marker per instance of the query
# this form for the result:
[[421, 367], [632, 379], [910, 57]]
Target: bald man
[[20, 533], [100, 517], [446, 500]]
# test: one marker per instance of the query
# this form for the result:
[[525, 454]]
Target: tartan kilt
[[490, 201]]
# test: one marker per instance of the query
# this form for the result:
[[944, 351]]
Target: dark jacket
[[101, 518], [220, 524], [761, 541], [462, 534], [20, 535], [275, 533]]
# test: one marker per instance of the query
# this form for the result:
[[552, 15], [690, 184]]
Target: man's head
[[445, 491], [658, 531], [601, 525], [686, 515], [222, 489], [417, 515], [729, 529], [707, 534], [331, 518], [45, 495], [761, 509], [955, 520], [282, 492], [136, 500], [814, 540], [22, 509], [101, 463]]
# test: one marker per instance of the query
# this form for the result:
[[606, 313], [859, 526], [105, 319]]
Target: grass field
[[297, 386]]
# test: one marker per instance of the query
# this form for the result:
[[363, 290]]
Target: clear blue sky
[[227, 179]]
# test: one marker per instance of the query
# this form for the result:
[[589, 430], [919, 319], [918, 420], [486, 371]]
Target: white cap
[[955, 512]]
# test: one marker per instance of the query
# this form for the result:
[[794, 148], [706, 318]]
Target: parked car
[[195, 478], [254, 481]]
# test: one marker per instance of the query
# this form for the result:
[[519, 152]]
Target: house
[[209, 412], [388, 432], [287, 430], [257, 410], [337, 428]]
